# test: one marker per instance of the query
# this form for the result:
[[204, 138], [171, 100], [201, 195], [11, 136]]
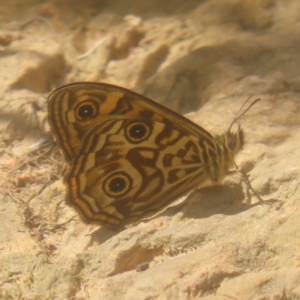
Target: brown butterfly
[[130, 157]]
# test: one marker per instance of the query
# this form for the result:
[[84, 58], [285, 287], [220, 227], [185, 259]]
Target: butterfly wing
[[75, 108], [128, 156], [130, 167]]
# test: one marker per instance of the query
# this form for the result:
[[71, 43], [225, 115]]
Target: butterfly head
[[228, 145], [234, 141]]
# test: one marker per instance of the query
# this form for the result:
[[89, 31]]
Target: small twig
[[294, 190], [40, 19], [231, 297], [44, 185], [57, 226], [32, 159], [89, 52]]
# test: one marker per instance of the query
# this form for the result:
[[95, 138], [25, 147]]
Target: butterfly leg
[[246, 179]]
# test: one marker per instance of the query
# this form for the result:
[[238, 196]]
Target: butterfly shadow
[[208, 201], [102, 234], [227, 199]]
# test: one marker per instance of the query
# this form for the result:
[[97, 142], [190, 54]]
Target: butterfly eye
[[86, 110], [230, 142], [137, 132], [117, 184]]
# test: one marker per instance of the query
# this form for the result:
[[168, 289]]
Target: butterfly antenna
[[239, 114]]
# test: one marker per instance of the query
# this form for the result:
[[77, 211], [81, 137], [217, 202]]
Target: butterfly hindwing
[[127, 168]]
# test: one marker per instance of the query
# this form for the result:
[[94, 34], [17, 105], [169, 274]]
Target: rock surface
[[204, 58]]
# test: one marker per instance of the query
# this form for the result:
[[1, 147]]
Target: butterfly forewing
[[75, 108]]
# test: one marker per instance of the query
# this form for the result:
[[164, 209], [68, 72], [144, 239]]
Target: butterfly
[[129, 157]]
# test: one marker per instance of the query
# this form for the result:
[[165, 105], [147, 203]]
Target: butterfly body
[[130, 157]]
